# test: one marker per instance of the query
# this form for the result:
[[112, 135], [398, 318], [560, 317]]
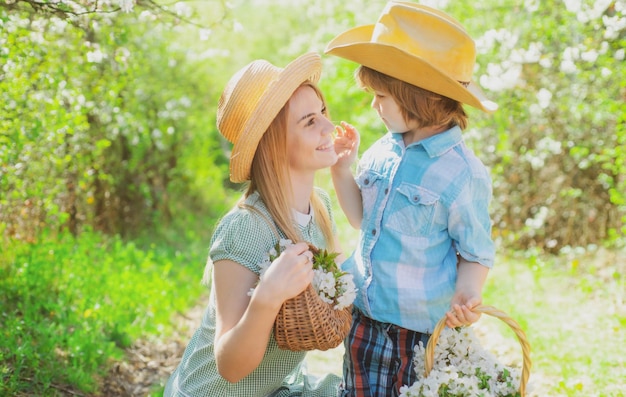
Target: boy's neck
[[419, 134]]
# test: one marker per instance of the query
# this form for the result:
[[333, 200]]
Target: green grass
[[572, 310], [68, 306]]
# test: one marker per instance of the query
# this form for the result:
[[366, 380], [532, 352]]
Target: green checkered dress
[[245, 237]]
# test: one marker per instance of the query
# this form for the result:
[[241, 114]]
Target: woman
[[277, 121]]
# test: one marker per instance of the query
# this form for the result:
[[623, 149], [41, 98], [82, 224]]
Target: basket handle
[[492, 311]]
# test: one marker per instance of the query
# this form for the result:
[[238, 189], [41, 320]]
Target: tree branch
[[72, 8]]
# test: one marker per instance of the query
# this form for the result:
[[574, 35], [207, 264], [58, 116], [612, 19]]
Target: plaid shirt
[[421, 205]]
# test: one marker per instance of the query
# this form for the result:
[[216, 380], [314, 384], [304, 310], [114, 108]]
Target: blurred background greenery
[[112, 172]]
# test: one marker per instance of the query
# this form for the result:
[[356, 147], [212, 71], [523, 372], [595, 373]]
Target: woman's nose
[[329, 127]]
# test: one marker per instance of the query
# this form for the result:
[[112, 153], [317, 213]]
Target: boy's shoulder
[[384, 141], [471, 160]]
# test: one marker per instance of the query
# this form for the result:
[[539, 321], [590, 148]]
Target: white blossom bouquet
[[333, 285], [462, 368]]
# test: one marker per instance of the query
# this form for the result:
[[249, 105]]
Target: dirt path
[[149, 362]]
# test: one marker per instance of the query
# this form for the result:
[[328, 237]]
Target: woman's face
[[309, 133]]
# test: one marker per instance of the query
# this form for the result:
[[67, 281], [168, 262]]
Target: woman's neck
[[302, 188]]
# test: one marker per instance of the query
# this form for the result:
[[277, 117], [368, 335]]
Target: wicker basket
[[306, 322], [492, 311]]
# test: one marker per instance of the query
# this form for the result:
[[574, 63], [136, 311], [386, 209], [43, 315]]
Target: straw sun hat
[[252, 99], [418, 45]]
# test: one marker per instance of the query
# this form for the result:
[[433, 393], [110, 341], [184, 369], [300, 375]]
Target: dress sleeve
[[244, 237]]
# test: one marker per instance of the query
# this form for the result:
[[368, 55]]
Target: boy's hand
[[461, 313], [346, 145], [468, 294]]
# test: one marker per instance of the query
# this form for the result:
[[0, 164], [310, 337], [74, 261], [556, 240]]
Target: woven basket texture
[[306, 322], [492, 311]]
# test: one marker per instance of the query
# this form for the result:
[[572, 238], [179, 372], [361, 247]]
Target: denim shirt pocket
[[369, 183], [413, 210]]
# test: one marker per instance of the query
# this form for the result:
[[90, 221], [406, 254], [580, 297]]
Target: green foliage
[[324, 260], [556, 70], [69, 305], [129, 141], [119, 148]]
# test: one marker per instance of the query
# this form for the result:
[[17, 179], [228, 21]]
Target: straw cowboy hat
[[419, 45], [252, 99]]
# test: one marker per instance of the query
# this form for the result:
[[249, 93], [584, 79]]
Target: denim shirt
[[421, 205]]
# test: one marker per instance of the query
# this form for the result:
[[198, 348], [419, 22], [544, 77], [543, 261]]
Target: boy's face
[[389, 112]]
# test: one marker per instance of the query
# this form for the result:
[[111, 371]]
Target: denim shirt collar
[[437, 144]]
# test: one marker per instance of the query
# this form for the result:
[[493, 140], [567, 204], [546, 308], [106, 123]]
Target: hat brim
[[355, 45], [307, 67]]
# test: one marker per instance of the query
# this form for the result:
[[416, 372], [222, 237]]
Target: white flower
[[95, 56], [461, 368], [332, 285], [347, 291], [324, 283], [126, 5]]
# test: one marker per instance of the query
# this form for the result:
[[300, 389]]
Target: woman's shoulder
[[244, 219], [244, 235], [325, 199], [323, 194]]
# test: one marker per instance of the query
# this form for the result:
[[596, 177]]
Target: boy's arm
[[469, 226], [348, 192], [470, 280], [348, 195]]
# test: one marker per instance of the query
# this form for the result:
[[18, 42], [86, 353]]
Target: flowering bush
[[333, 285], [462, 368]]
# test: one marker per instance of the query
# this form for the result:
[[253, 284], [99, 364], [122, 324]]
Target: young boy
[[420, 196]]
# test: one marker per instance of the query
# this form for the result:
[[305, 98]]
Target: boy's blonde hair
[[417, 104], [269, 175]]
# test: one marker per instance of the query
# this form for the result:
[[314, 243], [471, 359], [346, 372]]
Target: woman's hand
[[289, 274], [244, 323]]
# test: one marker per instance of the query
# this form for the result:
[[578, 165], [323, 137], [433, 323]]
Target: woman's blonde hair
[[269, 175], [417, 104]]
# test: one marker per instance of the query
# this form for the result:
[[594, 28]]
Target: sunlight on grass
[[323, 362], [578, 344]]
